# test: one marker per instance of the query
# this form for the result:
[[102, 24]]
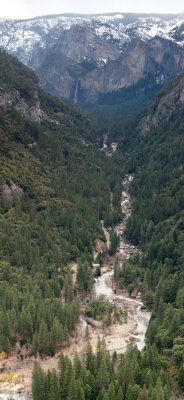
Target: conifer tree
[[43, 339], [120, 394], [80, 390], [111, 392], [35, 343], [68, 376], [38, 381], [103, 376], [54, 392]]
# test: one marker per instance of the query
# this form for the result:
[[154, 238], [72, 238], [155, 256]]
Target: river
[[126, 249], [135, 307], [9, 395], [118, 336]]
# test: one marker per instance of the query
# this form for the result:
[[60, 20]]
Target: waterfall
[[76, 91]]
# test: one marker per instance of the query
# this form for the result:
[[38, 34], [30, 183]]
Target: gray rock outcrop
[[9, 98], [10, 194], [167, 103]]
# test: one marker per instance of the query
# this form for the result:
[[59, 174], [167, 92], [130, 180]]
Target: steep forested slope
[[54, 189], [152, 148], [154, 151]]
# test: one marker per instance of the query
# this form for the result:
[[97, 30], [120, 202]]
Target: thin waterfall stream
[[76, 92]]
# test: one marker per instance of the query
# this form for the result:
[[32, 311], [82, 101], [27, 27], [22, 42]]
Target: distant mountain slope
[[24, 37], [81, 57]]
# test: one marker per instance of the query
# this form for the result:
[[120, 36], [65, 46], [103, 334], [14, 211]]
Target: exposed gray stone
[[164, 106], [10, 194], [9, 98]]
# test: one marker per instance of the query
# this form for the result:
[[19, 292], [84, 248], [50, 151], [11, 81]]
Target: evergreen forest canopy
[[156, 225], [67, 183], [134, 376]]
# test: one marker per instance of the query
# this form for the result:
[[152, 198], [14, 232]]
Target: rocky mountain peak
[[81, 57]]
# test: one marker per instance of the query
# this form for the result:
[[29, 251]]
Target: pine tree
[[35, 343], [111, 392], [167, 392], [137, 373], [54, 392], [120, 394], [62, 366], [68, 376], [77, 366], [145, 393], [43, 339], [26, 324], [103, 376], [132, 392], [101, 394], [72, 393], [87, 392], [66, 336], [151, 331], [159, 390], [80, 390], [89, 355], [38, 381], [57, 334], [99, 352]]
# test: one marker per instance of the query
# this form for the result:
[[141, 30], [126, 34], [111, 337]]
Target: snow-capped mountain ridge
[[20, 36], [97, 54]]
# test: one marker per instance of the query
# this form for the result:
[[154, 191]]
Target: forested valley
[[67, 184]]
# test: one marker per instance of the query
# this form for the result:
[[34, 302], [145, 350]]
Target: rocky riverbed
[[117, 336]]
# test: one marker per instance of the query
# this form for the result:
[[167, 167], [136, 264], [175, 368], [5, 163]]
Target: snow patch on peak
[[22, 38], [107, 18]]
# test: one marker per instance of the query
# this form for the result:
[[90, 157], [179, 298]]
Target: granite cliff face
[[158, 58], [13, 98], [77, 52], [80, 57], [170, 100], [82, 45]]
